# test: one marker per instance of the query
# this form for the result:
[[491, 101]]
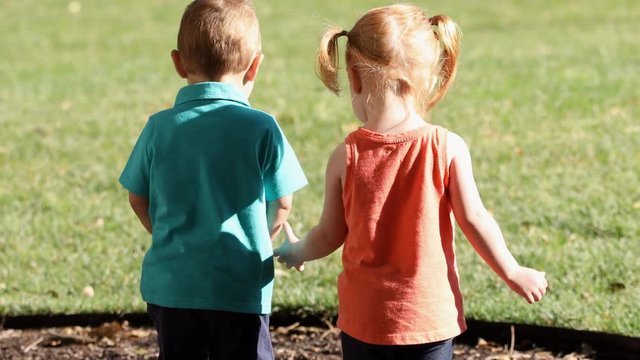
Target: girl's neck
[[390, 114]]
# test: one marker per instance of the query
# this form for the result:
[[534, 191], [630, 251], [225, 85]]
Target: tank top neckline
[[393, 138]]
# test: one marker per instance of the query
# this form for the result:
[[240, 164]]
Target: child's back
[[208, 158], [398, 257], [392, 190], [212, 180]]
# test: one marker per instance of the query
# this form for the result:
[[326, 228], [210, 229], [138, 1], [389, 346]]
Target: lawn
[[547, 98]]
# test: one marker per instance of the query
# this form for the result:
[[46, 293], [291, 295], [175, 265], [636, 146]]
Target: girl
[[391, 189]]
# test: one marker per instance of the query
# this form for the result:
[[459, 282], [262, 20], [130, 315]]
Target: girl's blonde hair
[[399, 46]]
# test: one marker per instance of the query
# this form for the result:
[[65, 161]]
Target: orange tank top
[[399, 283]]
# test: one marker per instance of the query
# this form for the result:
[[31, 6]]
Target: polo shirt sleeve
[[283, 174], [135, 176]]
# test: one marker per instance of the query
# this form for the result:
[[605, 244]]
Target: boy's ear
[[355, 82], [177, 63], [252, 71]]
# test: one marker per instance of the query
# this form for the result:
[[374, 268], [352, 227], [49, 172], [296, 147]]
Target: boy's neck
[[234, 79]]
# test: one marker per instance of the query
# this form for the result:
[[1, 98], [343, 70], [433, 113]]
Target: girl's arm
[[330, 232], [140, 206], [277, 213], [481, 229]]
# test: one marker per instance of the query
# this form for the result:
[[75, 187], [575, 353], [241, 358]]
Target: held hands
[[287, 253], [529, 283]]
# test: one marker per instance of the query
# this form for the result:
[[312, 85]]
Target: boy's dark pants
[[211, 334], [353, 349]]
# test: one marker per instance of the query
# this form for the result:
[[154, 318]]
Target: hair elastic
[[433, 21]]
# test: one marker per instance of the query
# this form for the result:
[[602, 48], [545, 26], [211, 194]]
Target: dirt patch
[[118, 340]]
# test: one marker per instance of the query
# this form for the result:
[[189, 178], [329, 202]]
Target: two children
[[211, 179]]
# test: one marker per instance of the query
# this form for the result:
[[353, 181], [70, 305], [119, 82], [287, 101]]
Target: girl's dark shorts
[[354, 349]]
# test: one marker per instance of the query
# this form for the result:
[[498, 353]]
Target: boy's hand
[[529, 283], [286, 253]]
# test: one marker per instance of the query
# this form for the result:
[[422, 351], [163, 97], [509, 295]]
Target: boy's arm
[[277, 213], [481, 229], [330, 233], [140, 206]]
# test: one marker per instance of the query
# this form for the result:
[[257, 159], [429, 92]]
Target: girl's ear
[[177, 63], [252, 71], [355, 81]]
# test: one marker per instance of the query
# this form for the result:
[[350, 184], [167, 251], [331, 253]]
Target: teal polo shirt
[[208, 166]]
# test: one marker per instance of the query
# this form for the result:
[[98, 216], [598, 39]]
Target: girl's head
[[401, 49]]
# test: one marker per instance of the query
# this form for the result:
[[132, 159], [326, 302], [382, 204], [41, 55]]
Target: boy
[[211, 179]]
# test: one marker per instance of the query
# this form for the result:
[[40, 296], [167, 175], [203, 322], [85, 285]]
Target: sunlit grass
[[547, 97]]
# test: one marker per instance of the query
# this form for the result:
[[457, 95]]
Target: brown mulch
[[118, 340]]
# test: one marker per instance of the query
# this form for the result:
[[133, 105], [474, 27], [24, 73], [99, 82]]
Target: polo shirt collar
[[211, 91]]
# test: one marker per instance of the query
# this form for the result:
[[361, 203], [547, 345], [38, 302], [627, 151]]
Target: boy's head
[[218, 37]]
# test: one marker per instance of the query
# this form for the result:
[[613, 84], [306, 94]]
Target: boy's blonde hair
[[218, 37], [399, 46]]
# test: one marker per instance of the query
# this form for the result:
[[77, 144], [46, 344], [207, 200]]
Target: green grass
[[547, 97]]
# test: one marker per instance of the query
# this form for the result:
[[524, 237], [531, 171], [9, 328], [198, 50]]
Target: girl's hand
[[529, 283], [286, 253]]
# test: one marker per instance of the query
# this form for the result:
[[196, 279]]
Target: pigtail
[[448, 33], [327, 63]]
